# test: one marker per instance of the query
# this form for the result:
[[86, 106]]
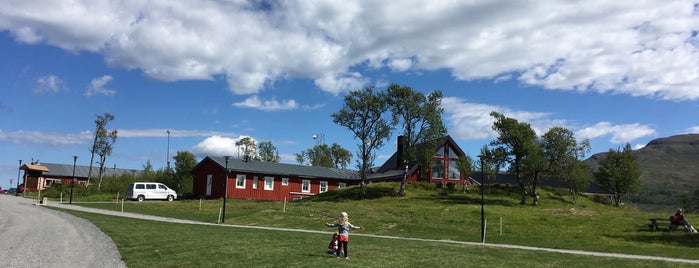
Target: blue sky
[[211, 72]]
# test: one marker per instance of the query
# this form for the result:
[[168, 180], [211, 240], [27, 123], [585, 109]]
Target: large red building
[[250, 179]]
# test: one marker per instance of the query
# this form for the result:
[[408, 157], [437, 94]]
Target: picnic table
[[655, 223]]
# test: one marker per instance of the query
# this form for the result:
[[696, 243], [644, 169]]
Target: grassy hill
[[669, 171], [434, 214]]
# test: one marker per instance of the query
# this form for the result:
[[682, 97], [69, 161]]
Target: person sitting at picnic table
[[678, 219]]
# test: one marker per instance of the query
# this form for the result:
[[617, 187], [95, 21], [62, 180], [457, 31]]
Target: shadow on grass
[[353, 193], [678, 238]]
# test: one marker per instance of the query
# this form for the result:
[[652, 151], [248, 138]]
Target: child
[[332, 247], [343, 226]]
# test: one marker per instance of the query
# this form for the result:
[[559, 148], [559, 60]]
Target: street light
[[168, 151], [225, 191], [72, 181], [18, 171], [481, 157]]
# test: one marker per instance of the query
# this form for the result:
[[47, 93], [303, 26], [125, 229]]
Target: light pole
[[225, 191], [72, 181], [19, 169], [168, 151], [481, 157]]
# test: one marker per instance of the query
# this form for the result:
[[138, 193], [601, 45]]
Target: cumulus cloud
[[48, 85], [694, 129], [96, 87], [268, 105], [646, 49], [218, 146]]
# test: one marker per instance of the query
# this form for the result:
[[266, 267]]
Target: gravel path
[[94, 235], [35, 236]]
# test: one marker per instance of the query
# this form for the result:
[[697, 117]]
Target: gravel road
[[35, 236]]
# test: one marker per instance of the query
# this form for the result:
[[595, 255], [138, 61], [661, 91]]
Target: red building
[[250, 179]]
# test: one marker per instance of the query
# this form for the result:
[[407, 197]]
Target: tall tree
[[268, 152], [246, 148], [517, 141], [319, 155], [100, 137], [420, 116], [363, 114], [578, 178], [619, 173], [185, 162]]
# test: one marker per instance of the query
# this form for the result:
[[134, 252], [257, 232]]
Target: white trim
[[323, 187], [303, 185], [285, 181]]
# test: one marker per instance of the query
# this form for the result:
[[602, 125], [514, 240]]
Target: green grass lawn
[[425, 213]]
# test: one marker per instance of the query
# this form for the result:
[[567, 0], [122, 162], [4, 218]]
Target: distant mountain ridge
[[669, 169]]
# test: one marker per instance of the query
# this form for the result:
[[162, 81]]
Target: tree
[[363, 114], [246, 148], [100, 123], [185, 162], [268, 152], [341, 157], [421, 119], [517, 141], [102, 145], [619, 173], [319, 156], [578, 178]]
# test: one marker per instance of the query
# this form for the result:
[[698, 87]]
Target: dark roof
[[61, 170], [235, 164]]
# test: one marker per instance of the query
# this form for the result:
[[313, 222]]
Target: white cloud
[[648, 48], [694, 129], [620, 134], [49, 84], [45, 138], [218, 146], [268, 105], [96, 87]]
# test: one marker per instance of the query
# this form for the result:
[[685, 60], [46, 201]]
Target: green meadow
[[438, 215]]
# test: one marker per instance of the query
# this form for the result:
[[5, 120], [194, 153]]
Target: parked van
[[150, 190]]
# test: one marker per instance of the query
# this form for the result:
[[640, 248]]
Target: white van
[[150, 190]]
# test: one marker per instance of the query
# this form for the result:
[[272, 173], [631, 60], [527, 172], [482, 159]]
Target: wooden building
[[45, 175], [250, 179]]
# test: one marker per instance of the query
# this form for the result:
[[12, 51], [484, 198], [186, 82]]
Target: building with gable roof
[[257, 180]]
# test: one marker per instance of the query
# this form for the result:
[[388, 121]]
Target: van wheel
[[140, 198], [170, 198]]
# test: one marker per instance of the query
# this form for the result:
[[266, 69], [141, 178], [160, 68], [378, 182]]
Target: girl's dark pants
[[341, 245]]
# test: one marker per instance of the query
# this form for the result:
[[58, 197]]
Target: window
[[285, 181], [240, 181], [454, 173], [323, 186], [451, 153], [162, 187], [341, 185], [150, 186], [438, 168], [269, 183], [306, 186], [440, 152], [140, 186], [254, 182]]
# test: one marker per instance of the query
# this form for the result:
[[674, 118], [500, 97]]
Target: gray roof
[[61, 170], [235, 164]]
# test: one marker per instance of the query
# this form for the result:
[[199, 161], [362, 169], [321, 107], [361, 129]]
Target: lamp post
[[19, 169], [481, 157], [225, 191], [72, 181], [168, 151]]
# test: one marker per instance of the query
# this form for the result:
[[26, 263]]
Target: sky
[[211, 72]]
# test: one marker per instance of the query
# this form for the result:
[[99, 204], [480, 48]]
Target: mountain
[[669, 170]]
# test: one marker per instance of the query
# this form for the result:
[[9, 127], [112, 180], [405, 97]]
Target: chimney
[[402, 144]]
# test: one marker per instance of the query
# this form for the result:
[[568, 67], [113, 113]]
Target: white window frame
[[240, 181], [269, 183], [323, 186], [285, 181], [306, 186], [341, 185], [254, 182]]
